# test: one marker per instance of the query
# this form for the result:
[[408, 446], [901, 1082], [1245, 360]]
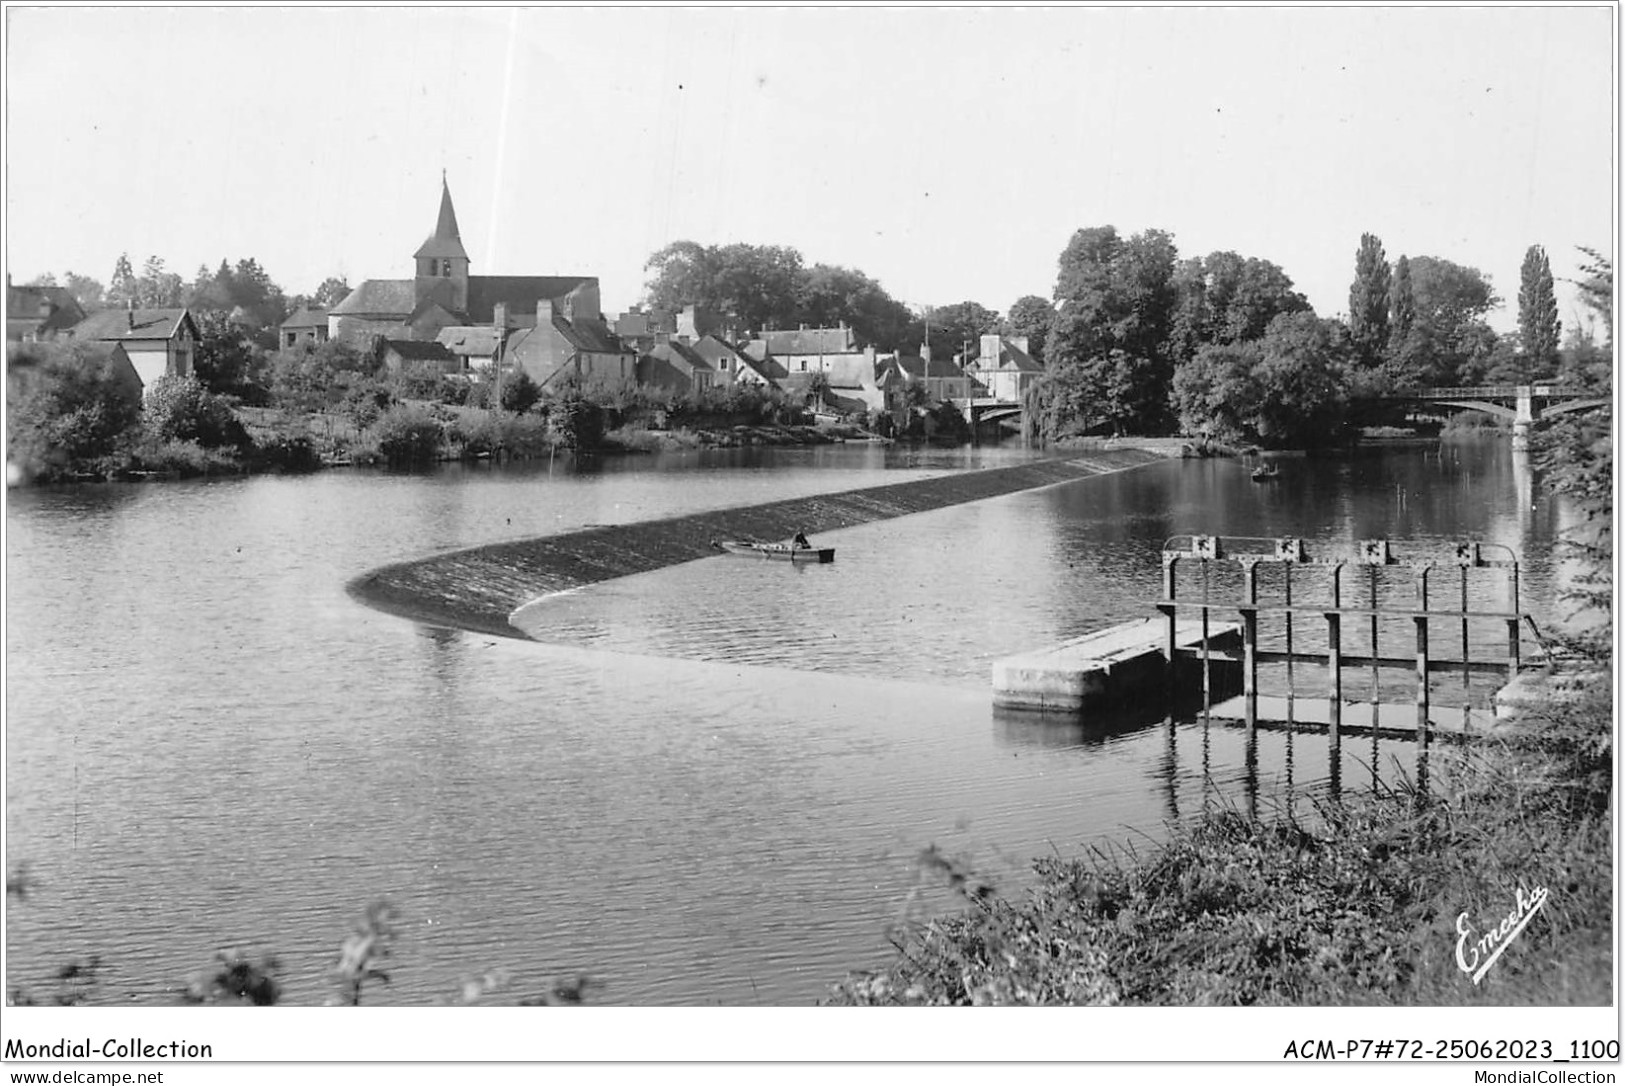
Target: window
[[445, 268]]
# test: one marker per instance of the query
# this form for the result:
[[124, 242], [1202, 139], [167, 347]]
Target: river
[[703, 785]]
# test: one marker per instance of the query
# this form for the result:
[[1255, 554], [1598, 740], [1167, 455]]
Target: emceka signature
[[1474, 956]]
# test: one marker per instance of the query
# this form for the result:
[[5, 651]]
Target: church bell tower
[[442, 262]]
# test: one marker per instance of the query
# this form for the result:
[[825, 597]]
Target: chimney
[[1021, 344], [129, 313], [688, 324], [662, 338], [499, 315], [990, 351], [544, 312]]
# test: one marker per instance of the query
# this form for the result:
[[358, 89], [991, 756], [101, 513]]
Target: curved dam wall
[[478, 588]]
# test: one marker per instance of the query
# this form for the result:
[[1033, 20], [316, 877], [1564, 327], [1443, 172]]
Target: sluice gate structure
[[1285, 633]]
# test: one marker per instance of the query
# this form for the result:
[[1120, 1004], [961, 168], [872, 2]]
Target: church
[[442, 299]]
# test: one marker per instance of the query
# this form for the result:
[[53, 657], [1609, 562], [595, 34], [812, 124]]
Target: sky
[[949, 153]]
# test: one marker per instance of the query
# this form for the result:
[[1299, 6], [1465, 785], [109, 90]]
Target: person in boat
[[800, 541]]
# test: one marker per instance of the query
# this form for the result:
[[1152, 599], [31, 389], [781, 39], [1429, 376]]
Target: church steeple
[[442, 262]]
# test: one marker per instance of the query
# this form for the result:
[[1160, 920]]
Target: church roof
[[379, 297], [446, 240], [519, 293]]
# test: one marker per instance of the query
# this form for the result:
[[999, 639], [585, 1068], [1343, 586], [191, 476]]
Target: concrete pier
[[1120, 666]]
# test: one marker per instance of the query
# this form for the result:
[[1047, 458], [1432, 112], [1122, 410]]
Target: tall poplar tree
[[1368, 301], [1537, 315]]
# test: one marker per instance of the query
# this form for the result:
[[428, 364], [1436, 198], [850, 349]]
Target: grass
[[1339, 904]]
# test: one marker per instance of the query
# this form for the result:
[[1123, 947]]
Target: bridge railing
[[1489, 392]]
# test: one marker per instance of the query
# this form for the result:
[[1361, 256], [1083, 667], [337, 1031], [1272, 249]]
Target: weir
[[478, 588]]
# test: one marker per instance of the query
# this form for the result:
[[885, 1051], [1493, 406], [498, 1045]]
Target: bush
[[407, 436], [520, 393], [288, 452], [576, 423], [365, 402], [183, 458], [181, 409], [68, 409]]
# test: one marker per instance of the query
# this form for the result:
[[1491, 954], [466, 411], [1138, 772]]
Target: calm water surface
[[707, 784]]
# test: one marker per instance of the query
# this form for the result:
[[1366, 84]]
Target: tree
[[1115, 302], [1451, 301], [157, 288], [1597, 290], [334, 289], [71, 408], [1368, 301], [1031, 316], [226, 362], [956, 329], [1215, 393], [121, 289], [827, 295], [1227, 298], [1302, 401], [87, 291], [1538, 325], [755, 285], [1401, 302]]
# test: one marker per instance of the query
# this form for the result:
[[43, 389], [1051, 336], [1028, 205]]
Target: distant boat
[[784, 552], [1266, 473]]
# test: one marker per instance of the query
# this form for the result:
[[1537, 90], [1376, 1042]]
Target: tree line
[[1222, 346]]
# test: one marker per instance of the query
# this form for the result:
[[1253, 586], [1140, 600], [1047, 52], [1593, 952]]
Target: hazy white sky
[[948, 152]]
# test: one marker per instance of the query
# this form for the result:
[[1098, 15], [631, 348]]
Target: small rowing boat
[[784, 552], [1261, 475]]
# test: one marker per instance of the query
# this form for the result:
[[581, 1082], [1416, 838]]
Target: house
[[726, 361], [1005, 368], [416, 358], [306, 328], [851, 381], [637, 328], [807, 350], [38, 314], [675, 364], [476, 345], [444, 294], [557, 348], [158, 342], [942, 380]]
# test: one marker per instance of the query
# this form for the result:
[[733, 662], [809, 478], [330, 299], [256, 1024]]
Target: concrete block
[[1117, 667]]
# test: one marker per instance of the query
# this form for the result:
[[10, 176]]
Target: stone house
[[566, 345], [306, 328], [417, 358], [674, 363]]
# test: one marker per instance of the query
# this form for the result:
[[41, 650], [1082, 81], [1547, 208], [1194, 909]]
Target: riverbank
[[1387, 899], [478, 588]]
